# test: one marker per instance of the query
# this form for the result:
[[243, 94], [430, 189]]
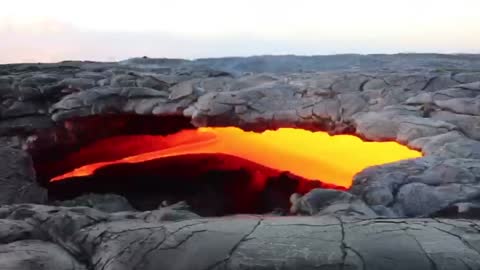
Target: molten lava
[[311, 155]]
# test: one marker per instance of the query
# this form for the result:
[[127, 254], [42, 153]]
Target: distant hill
[[293, 63], [423, 62]]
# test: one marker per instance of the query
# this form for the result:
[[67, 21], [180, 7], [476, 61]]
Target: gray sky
[[54, 30]]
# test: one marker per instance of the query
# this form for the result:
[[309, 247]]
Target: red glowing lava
[[311, 155]]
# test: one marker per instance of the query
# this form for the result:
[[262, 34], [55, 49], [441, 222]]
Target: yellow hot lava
[[312, 155]]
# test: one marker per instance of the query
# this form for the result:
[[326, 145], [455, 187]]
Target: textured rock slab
[[109, 203], [319, 202], [419, 187], [287, 243], [111, 241], [17, 178], [36, 255]]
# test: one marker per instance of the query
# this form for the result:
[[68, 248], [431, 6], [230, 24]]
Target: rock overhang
[[434, 112]]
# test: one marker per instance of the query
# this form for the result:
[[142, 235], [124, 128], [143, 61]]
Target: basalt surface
[[427, 102], [44, 237]]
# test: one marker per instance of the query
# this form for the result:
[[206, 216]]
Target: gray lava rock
[[330, 202], [470, 210], [83, 238], [109, 203], [417, 199], [168, 214], [36, 255], [17, 178], [419, 187]]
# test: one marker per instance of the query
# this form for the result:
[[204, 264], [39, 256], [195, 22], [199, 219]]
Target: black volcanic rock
[[17, 178]]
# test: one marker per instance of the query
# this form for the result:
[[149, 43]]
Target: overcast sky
[[54, 30]]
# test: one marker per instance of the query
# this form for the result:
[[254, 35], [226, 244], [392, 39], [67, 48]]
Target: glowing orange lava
[[312, 155]]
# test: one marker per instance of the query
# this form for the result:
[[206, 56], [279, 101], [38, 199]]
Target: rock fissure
[[236, 245], [433, 264]]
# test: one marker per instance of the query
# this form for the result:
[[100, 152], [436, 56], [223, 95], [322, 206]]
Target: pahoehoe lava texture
[[84, 238], [426, 101]]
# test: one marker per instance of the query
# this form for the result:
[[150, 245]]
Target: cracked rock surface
[[45, 237]]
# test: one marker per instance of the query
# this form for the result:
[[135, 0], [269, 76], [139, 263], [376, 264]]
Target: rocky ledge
[[427, 102], [42, 237]]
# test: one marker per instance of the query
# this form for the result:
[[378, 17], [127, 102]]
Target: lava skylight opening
[[311, 155]]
